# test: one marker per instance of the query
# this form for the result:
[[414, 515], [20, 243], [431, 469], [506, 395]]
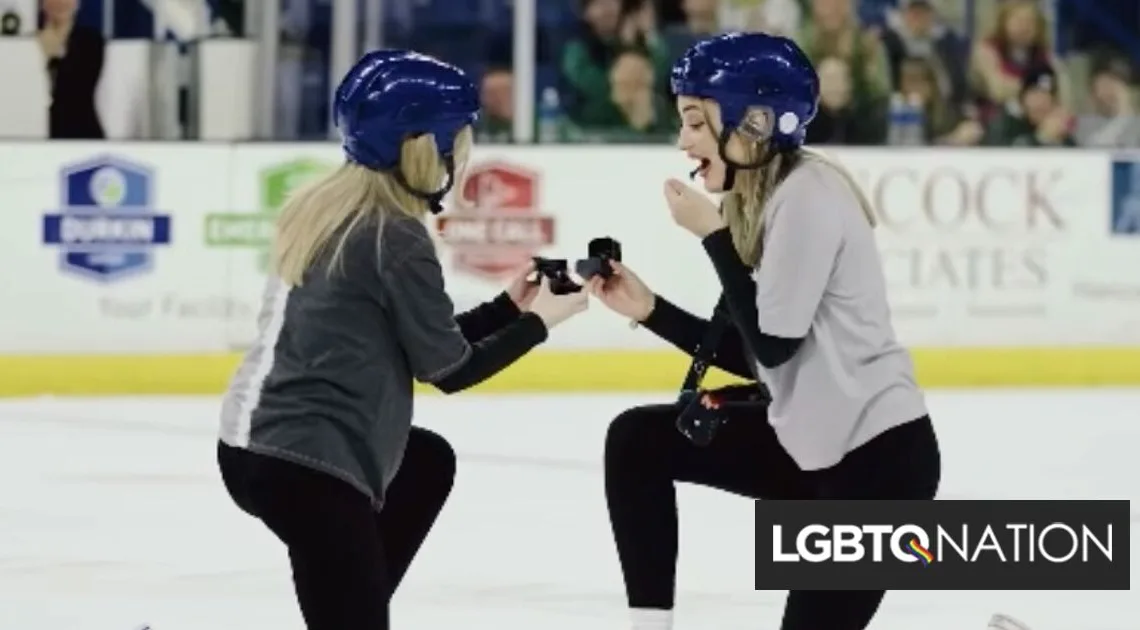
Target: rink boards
[[138, 268]]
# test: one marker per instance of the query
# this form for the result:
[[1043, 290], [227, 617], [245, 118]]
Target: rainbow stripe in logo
[[920, 552]]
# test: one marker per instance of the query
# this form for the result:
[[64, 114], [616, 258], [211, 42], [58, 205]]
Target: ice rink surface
[[112, 515]]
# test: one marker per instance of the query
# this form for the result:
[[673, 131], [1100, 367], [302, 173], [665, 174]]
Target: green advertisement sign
[[254, 230]]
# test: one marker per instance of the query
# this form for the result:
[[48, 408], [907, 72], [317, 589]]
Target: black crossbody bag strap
[[707, 349]]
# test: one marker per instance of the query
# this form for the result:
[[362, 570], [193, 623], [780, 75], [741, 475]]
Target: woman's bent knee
[[640, 433]]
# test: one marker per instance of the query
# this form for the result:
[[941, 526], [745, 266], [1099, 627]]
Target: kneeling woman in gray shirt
[[316, 434], [793, 246]]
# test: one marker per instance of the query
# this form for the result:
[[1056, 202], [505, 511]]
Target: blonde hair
[[351, 195], [743, 207], [1040, 20]]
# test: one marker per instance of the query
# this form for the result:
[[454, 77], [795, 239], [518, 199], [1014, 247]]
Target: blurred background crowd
[[893, 72]]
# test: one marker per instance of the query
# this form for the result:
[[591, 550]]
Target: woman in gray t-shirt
[[792, 244], [316, 438]]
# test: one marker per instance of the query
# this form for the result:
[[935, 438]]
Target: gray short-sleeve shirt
[[820, 278], [328, 381]]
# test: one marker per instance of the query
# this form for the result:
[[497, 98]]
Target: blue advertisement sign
[[106, 225]]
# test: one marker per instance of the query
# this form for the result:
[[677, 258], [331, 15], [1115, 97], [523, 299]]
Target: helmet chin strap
[[731, 166], [434, 199]]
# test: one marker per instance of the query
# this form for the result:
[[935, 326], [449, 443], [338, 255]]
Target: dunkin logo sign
[[495, 223]]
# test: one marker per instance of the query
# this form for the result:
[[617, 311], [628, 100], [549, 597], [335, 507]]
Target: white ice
[[112, 515]]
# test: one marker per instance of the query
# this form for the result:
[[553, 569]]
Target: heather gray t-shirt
[[820, 277], [328, 382]]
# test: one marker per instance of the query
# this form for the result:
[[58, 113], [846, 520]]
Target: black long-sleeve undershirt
[[740, 294], [686, 331], [495, 352], [488, 317]]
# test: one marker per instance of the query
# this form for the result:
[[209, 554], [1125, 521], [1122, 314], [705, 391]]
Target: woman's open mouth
[[701, 170]]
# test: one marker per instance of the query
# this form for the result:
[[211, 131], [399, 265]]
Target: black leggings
[[646, 454], [347, 558]]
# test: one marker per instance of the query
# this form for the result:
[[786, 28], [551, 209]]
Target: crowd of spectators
[[907, 72], [910, 78]]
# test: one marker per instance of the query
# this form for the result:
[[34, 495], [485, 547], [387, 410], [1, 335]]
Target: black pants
[[646, 455], [347, 558]]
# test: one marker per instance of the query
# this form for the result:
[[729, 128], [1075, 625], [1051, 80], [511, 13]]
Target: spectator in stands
[[917, 32], [1001, 61], [1114, 121], [640, 106], [74, 61], [834, 31], [640, 31], [776, 17], [496, 92], [701, 22], [943, 122], [918, 83], [1037, 118], [705, 18], [841, 118], [607, 32]]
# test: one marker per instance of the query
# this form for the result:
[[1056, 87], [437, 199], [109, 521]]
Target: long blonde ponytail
[[743, 206], [350, 195]]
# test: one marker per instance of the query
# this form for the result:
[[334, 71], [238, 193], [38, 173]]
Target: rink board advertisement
[[140, 266]]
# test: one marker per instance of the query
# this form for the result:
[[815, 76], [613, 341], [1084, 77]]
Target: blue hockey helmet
[[392, 95], [740, 71]]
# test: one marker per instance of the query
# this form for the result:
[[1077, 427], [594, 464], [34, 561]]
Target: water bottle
[[549, 116], [906, 122], [916, 119], [897, 120]]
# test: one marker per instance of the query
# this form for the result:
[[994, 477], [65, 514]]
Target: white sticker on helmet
[[788, 122]]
